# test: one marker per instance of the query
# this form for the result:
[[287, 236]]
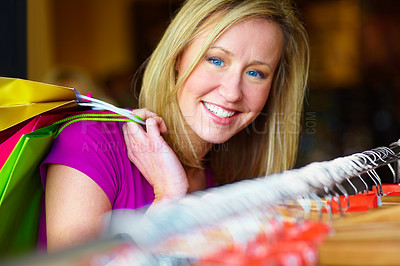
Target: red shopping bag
[[7, 146]]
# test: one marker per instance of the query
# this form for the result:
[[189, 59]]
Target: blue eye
[[216, 61], [256, 74]]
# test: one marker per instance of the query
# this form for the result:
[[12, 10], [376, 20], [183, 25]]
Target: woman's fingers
[[133, 130], [149, 152], [152, 128], [129, 140], [146, 114], [142, 139], [160, 123]]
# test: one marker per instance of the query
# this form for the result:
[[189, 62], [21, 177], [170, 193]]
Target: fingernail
[[150, 121]]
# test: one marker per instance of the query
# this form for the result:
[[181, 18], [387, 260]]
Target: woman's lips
[[218, 114]]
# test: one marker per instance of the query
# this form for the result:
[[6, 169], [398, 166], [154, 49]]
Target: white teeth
[[218, 111]]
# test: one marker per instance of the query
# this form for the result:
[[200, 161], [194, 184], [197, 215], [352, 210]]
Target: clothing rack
[[246, 201], [262, 193], [148, 236]]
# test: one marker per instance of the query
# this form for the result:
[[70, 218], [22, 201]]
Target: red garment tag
[[355, 203], [388, 188], [296, 245]]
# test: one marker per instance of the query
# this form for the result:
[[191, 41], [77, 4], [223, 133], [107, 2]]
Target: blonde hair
[[267, 145]]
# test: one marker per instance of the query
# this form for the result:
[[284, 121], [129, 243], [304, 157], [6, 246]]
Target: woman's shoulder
[[97, 149], [87, 128], [89, 139]]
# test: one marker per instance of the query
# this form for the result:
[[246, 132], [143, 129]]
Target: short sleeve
[[93, 148]]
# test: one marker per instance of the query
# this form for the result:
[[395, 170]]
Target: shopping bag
[[20, 184], [16, 132], [26, 106], [21, 100], [21, 192]]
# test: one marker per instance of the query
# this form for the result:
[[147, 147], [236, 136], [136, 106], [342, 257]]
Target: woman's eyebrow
[[262, 63], [223, 49]]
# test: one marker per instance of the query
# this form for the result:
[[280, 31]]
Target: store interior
[[354, 76], [101, 47]]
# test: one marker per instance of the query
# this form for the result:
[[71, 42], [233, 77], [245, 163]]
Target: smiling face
[[229, 87]]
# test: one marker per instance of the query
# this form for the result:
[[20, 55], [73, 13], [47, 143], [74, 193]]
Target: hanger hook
[[329, 203], [319, 204], [352, 185], [346, 195], [366, 186], [378, 188], [375, 174]]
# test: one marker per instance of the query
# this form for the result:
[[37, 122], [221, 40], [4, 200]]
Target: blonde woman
[[222, 97]]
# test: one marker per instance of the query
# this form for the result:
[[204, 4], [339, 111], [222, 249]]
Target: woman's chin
[[216, 139]]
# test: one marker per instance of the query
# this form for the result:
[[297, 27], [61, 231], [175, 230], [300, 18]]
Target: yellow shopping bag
[[21, 100]]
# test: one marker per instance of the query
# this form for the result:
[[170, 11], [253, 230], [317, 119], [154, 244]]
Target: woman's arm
[[74, 207]]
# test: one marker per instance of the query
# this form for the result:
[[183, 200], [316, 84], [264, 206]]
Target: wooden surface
[[368, 238]]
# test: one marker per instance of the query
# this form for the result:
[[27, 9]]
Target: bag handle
[[94, 117]]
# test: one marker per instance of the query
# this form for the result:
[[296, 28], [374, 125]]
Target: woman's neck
[[197, 179], [201, 149]]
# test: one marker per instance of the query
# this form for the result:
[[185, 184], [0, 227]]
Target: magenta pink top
[[97, 149]]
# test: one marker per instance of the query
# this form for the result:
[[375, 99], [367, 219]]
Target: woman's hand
[[153, 157]]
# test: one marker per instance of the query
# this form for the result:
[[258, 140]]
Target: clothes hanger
[[358, 236], [254, 197]]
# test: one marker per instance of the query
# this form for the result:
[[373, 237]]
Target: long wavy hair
[[269, 144]]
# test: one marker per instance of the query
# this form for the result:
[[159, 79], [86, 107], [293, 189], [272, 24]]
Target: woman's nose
[[231, 88]]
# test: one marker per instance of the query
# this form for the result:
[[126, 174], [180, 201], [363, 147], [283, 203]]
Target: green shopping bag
[[20, 184], [21, 192]]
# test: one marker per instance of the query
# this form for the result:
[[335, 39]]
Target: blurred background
[[100, 46]]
